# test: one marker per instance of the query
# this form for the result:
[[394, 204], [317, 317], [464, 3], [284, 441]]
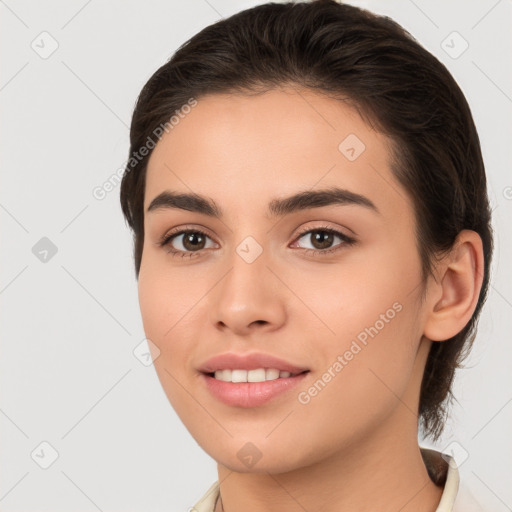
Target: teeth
[[238, 375], [258, 375]]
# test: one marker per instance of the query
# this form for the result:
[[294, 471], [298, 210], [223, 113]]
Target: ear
[[452, 299]]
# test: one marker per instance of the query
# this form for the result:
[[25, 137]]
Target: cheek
[[363, 376], [360, 293], [171, 302], [165, 298], [369, 318], [167, 311]]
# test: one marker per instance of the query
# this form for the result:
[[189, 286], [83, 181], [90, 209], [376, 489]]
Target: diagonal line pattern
[[13, 279], [279, 423], [500, 294], [213, 8], [424, 13], [491, 490], [74, 218], [485, 15], [12, 421], [213, 490], [14, 76], [14, 218], [5, 495], [85, 85], [76, 14], [13, 13], [286, 491], [298, 92], [503, 407], [388, 182], [96, 300], [198, 402], [414, 496], [81, 491], [83, 417], [492, 81], [394, 393]]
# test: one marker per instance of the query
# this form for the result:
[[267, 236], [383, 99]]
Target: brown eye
[[193, 240], [186, 242], [322, 240]]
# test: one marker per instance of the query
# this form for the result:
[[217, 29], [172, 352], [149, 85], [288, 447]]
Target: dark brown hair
[[397, 86]]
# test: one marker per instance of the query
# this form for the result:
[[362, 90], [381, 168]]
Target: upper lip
[[250, 361]]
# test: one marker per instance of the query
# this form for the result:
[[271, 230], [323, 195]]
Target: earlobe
[[459, 284]]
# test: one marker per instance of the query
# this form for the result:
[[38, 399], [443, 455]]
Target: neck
[[385, 474]]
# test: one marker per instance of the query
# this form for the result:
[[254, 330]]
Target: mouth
[[251, 388], [249, 379]]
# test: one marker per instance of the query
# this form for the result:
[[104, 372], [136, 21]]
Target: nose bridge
[[247, 277], [247, 292]]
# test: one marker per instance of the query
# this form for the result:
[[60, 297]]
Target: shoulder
[[208, 500]]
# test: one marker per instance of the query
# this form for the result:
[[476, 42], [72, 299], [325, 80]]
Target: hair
[[371, 62]]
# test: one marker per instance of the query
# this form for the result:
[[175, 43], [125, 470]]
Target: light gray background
[[69, 376]]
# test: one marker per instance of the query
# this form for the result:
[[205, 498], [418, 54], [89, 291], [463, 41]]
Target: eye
[[191, 242], [185, 242], [322, 239]]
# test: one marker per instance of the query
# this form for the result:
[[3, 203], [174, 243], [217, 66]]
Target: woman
[[312, 244]]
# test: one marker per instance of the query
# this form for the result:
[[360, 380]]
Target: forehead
[[241, 149]]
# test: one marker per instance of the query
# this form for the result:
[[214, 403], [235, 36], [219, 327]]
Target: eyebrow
[[276, 208]]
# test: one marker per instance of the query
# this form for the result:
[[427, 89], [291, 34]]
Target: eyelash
[[346, 240]]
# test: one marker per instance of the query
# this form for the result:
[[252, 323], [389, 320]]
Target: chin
[[246, 457], [272, 467]]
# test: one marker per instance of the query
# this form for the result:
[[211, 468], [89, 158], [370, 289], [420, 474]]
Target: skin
[[354, 446]]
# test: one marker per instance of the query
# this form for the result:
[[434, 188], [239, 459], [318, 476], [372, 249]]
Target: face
[[329, 285]]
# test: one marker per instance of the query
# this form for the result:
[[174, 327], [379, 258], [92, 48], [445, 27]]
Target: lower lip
[[250, 394]]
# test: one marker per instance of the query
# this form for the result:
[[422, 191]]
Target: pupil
[[189, 240], [326, 242]]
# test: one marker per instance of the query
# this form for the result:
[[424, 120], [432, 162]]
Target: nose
[[249, 297]]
